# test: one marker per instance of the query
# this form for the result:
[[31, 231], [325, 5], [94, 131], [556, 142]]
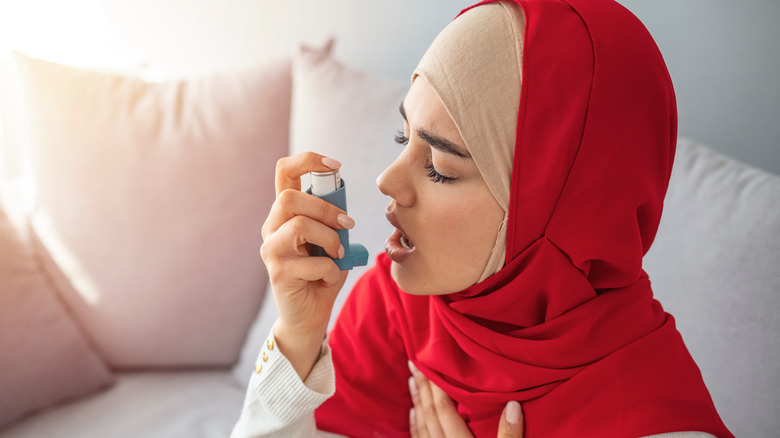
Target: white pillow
[[151, 198], [44, 356], [714, 266], [350, 116]]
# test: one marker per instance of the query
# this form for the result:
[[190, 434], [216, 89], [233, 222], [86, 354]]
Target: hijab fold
[[575, 95]]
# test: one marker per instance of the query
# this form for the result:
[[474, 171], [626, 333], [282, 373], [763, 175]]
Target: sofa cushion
[[351, 116], [714, 266], [148, 404], [44, 356], [151, 197]]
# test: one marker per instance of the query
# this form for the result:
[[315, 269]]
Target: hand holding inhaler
[[304, 287], [330, 187]]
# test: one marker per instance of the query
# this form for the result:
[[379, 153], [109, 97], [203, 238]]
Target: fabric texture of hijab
[[568, 326], [479, 83]]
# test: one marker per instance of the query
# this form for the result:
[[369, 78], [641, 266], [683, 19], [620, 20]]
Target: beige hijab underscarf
[[478, 81]]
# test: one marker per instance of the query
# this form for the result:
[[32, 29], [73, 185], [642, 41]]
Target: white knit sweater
[[279, 404]]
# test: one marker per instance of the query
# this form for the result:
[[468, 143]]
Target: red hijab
[[569, 326]]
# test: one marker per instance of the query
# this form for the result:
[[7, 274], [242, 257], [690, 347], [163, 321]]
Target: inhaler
[[330, 187]]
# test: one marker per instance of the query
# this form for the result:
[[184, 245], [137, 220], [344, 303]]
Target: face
[[446, 219]]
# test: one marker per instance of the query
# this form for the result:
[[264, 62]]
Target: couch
[[133, 300]]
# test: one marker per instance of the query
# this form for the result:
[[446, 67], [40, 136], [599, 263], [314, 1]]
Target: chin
[[406, 280], [414, 283]]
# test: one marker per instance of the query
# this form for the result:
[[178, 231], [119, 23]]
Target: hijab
[[576, 96]]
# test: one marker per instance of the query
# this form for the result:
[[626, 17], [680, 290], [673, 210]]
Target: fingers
[[449, 418], [425, 410], [511, 423], [290, 169], [414, 428], [414, 424], [417, 419], [434, 414], [291, 239], [290, 203], [306, 269]]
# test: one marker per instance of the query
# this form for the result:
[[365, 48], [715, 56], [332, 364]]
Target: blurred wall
[[723, 56], [724, 59]]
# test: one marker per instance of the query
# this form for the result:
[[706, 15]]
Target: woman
[[538, 142]]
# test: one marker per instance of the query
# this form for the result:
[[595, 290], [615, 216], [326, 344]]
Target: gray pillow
[[714, 266]]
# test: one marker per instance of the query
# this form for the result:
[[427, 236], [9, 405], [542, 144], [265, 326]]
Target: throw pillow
[[151, 197], [44, 356]]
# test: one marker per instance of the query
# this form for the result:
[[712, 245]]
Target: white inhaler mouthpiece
[[330, 187]]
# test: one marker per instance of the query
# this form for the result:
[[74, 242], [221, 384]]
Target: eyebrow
[[436, 142]]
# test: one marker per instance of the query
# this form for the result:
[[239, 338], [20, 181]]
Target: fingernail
[[412, 386], [341, 251], [345, 221], [331, 163], [412, 418], [412, 368], [513, 412]]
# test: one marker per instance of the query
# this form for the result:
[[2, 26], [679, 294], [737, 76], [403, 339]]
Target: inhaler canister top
[[323, 183]]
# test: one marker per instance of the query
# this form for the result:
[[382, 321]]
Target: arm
[[304, 287], [294, 372], [278, 403]]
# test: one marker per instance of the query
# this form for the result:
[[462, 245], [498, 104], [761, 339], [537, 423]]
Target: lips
[[398, 246]]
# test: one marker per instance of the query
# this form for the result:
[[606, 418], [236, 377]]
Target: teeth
[[405, 243]]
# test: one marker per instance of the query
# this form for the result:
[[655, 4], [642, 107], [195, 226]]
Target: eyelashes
[[431, 171], [400, 138], [436, 176]]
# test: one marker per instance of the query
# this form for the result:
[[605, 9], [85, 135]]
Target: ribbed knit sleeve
[[278, 403]]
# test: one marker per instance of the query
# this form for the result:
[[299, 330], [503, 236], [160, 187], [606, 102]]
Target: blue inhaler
[[330, 187]]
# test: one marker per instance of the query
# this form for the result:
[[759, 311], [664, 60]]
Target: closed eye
[[401, 138]]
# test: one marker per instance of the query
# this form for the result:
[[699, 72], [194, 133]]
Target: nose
[[396, 182]]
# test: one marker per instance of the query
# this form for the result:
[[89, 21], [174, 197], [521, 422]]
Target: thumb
[[511, 424]]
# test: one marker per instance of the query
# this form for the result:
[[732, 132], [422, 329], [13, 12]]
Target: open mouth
[[398, 246]]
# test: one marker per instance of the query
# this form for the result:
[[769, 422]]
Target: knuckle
[[310, 156], [333, 275], [286, 198], [298, 225], [281, 163], [265, 252], [266, 231], [276, 272], [427, 404], [324, 209], [441, 401], [273, 269]]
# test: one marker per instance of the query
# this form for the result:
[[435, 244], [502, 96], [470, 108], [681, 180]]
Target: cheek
[[476, 239], [460, 234], [454, 222]]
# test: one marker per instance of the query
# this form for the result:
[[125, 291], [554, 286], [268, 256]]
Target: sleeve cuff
[[282, 391]]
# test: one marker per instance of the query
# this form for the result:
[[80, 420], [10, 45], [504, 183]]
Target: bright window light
[[74, 31]]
